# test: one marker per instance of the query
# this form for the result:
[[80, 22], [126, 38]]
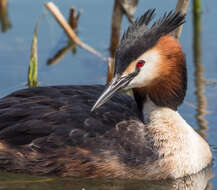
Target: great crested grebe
[[51, 130]]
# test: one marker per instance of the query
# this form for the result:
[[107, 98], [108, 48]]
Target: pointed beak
[[115, 85]]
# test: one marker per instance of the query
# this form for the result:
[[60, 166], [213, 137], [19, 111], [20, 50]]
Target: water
[[199, 108]]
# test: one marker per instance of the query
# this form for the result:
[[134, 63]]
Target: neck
[[177, 143], [148, 102], [149, 110]]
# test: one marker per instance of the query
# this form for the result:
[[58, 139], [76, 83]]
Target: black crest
[[139, 38]]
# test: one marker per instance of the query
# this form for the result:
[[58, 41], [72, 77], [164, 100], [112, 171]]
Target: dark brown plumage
[[50, 130]]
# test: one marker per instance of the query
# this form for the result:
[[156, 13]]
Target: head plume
[[139, 37]]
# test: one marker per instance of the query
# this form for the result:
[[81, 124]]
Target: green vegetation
[[33, 64]]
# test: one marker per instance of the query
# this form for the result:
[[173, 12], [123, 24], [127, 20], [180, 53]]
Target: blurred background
[[61, 62]]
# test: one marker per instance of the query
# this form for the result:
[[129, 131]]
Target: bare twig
[[117, 16], [129, 8], [121, 7], [181, 6], [110, 71], [70, 45], [73, 18], [5, 22], [67, 28]]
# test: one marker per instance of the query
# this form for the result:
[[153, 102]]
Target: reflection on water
[[68, 44], [5, 22], [198, 73], [194, 182], [62, 52], [199, 78]]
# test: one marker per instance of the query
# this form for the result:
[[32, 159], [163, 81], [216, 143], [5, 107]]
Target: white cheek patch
[[149, 71]]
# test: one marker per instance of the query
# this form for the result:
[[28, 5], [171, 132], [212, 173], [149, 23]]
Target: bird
[[97, 131]]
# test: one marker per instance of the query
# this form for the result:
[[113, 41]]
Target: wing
[[50, 130], [29, 114]]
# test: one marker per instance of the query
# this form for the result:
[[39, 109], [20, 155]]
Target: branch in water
[[67, 28], [181, 6]]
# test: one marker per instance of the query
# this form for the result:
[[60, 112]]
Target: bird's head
[[150, 61]]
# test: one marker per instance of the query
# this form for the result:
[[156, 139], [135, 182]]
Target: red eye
[[140, 63]]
